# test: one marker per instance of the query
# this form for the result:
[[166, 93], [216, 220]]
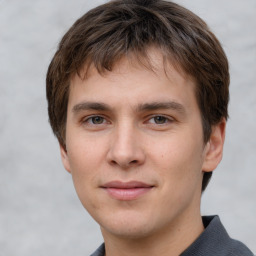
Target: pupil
[[160, 119], [97, 120]]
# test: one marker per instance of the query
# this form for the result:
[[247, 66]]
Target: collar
[[215, 241]]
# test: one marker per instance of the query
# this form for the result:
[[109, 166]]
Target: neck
[[171, 240]]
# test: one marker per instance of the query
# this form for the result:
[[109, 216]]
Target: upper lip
[[126, 185]]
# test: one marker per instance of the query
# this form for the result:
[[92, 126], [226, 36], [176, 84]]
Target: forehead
[[151, 59], [152, 78]]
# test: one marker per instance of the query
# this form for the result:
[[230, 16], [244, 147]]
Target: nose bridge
[[125, 149]]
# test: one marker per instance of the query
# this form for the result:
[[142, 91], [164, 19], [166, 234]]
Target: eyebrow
[[90, 106], [152, 106], [173, 105]]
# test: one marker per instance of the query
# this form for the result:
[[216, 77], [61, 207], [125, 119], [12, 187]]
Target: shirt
[[214, 241]]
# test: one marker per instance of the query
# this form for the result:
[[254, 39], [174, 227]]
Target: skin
[[146, 126]]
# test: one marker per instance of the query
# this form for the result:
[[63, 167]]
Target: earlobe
[[214, 147], [64, 158]]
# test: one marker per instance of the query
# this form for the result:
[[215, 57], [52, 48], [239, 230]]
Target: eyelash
[[89, 120], [166, 120]]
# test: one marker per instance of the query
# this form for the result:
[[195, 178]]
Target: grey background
[[39, 211]]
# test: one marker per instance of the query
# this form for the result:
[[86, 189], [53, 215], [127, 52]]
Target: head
[[129, 29]]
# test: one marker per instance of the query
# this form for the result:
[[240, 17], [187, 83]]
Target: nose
[[126, 148]]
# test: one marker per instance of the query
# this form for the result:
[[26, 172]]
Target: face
[[134, 147]]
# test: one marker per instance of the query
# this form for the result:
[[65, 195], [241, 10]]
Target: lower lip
[[127, 194]]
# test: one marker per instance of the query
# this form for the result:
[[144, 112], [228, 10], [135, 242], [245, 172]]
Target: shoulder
[[227, 245], [100, 251], [237, 248], [215, 241]]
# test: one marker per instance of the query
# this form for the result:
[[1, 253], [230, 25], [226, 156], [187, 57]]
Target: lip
[[126, 191]]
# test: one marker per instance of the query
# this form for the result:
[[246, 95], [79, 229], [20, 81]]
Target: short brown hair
[[113, 30]]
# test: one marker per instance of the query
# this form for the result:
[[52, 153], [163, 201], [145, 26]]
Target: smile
[[126, 191]]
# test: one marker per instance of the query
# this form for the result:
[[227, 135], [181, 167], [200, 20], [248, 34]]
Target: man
[[137, 97]]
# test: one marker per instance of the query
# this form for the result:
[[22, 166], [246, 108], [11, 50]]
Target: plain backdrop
[[39, 210]]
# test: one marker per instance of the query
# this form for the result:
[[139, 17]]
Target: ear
[[64, 157], [214, 147]]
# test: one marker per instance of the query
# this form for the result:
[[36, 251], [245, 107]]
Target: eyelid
[[85, 120], [169, 119]]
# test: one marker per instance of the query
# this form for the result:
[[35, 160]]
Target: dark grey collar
[[100, 251], [214, 241]]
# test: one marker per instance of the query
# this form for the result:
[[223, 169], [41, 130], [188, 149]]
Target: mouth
[[126, 191]]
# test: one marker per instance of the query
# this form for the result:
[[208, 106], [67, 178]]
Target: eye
[[95, 120], [159, 120]]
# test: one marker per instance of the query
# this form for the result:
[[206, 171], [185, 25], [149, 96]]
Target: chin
[[128, 231], [129, 226]]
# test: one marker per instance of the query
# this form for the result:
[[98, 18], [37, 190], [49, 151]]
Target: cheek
[[181, 177], [85, 152], [85, 163], [84, 175], [179, 160]]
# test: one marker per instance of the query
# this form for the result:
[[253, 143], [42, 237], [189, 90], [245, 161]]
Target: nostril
[[113, 162], [124, 164]]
